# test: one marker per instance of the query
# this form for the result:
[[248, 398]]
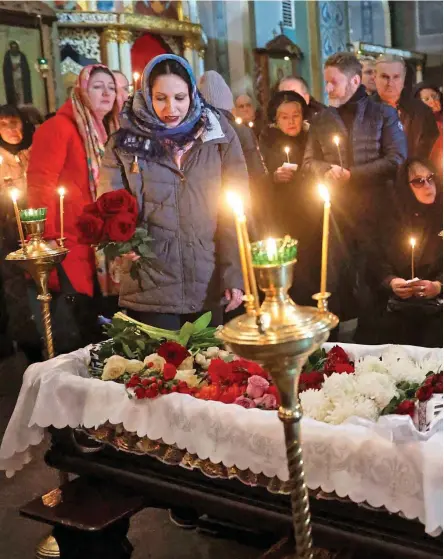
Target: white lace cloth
[[388, 463]]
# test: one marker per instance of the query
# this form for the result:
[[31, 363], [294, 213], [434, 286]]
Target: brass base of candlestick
[[290, 334], [48, 547]]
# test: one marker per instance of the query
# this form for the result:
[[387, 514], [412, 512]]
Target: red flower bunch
[[406, 407], [234, 372], [431, 385], [314, 380], [151, 387], [110, 223], [338, 362]]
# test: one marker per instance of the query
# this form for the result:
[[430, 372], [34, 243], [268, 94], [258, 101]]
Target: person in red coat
[[67, 151]]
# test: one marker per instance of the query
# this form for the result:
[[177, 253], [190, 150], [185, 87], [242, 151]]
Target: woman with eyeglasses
[[432, 97], [405, 306]]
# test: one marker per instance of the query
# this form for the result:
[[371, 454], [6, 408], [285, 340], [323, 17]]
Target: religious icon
[[16, 76]]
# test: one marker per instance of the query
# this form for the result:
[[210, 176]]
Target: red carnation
[[312, 380], [134, 381], [139, 392], [152, 391], [120, 228], [173, 353], [338, 362], [219, 371], [119, 201], [406, 407], [90, 229], [437, 388], [169, 371], [231, 393], [425, 392], [338, 354], [251, 368]]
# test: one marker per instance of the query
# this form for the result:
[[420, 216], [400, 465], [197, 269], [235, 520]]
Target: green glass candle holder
[[274, 252], [33, 214]]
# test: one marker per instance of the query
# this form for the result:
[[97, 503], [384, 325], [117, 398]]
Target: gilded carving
[[151, 23], [125, 36], [111, 35]]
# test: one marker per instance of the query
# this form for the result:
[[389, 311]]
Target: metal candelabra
[[282, 342]]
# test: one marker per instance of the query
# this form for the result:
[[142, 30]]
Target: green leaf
[[140, 344], [185, 333], [145, 251], [202, 322], [127, 351]]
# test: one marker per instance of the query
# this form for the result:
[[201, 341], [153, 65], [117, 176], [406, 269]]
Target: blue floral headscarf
[[139, 112]]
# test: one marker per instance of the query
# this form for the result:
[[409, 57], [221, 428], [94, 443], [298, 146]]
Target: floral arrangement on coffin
[[370, 387], [110, 224], [332, 388]]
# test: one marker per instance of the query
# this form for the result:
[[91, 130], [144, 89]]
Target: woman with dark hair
[[290, 207], [177, 155], [403, 309], [67, 151], [16, 324], [432, 97]]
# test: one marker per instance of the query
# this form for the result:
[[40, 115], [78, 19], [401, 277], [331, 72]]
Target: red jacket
[[58, 158]]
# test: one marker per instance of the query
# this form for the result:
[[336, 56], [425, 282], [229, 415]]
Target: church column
[[111, 48], [125, 43], [47, 53]]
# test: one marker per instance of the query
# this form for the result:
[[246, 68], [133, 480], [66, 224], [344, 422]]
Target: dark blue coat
[[372, 151]]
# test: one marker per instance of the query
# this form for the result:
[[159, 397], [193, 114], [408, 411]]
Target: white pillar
[[112, 48], [125, 42]]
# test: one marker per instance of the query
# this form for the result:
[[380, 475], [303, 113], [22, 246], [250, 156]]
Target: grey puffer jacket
[[186, 213]]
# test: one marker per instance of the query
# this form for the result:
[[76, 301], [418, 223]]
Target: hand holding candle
[[413, 244], [14, 197], [337, 141], [325, 195], [61, 192], [287, 151]]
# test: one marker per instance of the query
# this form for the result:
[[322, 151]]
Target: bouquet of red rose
[[110, 224]]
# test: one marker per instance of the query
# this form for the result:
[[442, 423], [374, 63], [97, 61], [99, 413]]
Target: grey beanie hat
[[215, 90]]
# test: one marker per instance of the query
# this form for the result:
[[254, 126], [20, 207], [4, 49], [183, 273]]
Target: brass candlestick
[[38, 258], [290, 334]]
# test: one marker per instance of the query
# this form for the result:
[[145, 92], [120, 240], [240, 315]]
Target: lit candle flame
[[336, 140], [271, 248], [325, 194], [238, 120], [236, 203], [413, 242], [61, 191], [14, 194], [251, 124], [136, 76], [287, 150]]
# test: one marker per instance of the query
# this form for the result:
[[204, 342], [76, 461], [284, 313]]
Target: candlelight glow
[[324, 193], [251, 124], [236, 204], [336, 140], [14, 194], [287, 150], [412, 242], [136, 76], [271, 248], [238, 120], [61, 191]]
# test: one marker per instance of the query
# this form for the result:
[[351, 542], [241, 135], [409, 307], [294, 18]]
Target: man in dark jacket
[[418, 120], [300, 86], [361, 168]]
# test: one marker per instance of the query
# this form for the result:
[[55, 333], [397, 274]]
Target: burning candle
[[413, 244], [325, 195], [271, 249], [251, 293], [287, 151], [337, 141], [251, 124], [14, 196], [238, 120], [136, 77], [62, 193]]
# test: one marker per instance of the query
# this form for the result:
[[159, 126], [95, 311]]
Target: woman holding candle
[[186, 153], [404, 265], [290, 204], [67, 152]]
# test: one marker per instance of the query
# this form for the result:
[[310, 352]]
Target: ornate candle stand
[[38, 258], [290, 333]]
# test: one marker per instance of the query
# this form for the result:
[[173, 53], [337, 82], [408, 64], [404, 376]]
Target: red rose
[[120, 228], [173, 353], [338, 354], [119, 201], [406, 407], [251, 368], [169, 371], [219, 371], [231, 393], [92, 209], [139, 392], [344, 368], [90, 229], [312, 380], [183, 388], [338, 362], [424, 392], [152, 391], [437, 389], [134, 381]]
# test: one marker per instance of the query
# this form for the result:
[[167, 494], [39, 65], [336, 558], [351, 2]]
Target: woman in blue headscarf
[[177, 155]]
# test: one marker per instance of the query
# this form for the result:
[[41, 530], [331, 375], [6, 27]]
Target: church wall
[[369, 22], [268, 15], [29, 41]]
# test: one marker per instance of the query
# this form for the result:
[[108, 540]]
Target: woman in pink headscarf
[[67, 151]]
